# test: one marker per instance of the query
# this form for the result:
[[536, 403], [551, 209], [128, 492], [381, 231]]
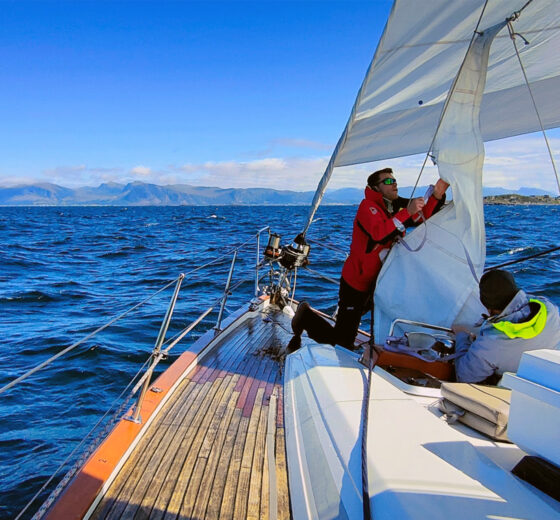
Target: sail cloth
[[400, 101], [438, 284], [397, 112], [417, 59]]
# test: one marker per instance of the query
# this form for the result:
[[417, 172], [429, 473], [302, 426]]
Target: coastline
[[521, 200]]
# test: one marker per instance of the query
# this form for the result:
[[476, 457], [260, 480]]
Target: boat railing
[[143, 377]]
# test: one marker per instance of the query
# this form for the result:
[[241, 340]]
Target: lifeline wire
[[103, 327], [56, 491], [74, 345], [328, 246]]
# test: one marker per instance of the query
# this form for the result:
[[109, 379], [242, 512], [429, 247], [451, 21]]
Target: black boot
[[294, 344], [298, 319]]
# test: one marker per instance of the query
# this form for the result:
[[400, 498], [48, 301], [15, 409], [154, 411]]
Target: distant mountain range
[[143, 194]]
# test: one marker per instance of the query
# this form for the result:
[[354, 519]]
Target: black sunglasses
[[388, 181]]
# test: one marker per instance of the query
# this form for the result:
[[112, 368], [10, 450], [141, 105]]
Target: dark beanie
[[497, 289]]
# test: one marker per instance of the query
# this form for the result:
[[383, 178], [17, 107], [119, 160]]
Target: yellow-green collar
[[526, 329]]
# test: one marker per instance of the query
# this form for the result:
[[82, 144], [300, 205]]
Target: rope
[[366, 506], [447, 99], [294, 286], [511, 262], [402, 241], [512, 35], [56, 492]]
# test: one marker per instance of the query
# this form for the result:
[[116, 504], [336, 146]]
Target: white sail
[[417, 60], [438, 283], [400, 101]]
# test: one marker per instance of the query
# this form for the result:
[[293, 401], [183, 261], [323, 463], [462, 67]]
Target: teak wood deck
[[217, 448]]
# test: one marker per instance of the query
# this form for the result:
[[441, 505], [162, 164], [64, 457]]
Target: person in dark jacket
[[382, 217], [516, 323]]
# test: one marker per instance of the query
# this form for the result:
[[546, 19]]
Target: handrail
[[74, 345], [417, 323], [156, 356], [226, 293]]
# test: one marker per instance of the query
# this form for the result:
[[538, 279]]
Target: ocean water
[[67, 270]]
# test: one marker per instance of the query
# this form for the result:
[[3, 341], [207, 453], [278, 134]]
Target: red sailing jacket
[[375, 229]]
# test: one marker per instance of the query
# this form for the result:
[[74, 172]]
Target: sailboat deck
[[217, 448]]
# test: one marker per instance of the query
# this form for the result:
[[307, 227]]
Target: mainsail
[[399, 109]]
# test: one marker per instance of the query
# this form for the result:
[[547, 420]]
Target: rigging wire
[[324, 276], [525, 258], [115, 319], [512, 35], [79, 462], [77, 343], [328, 246]]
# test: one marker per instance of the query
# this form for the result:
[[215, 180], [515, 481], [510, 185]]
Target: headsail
[[438, 283], [401, 98], [400, 106]]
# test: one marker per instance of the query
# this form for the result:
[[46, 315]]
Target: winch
[[273, 249], [296, 254]]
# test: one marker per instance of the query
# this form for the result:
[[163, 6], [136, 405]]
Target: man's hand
[[415, 205], [462, 328], [439, 188]]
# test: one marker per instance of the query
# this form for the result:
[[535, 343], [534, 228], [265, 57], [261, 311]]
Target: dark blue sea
[[67, 270]]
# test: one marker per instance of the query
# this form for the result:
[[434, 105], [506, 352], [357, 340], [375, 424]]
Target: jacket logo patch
[[373, 211]]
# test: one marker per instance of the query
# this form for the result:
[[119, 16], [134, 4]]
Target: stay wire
[[512, 35]]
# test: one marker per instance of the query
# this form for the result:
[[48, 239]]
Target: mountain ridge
[[138, 193]]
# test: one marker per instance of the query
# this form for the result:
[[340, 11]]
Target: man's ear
[[374, 188]]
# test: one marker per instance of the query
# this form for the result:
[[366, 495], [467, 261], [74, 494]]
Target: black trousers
[[352, 305]]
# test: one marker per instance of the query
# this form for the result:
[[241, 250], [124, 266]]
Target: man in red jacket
[[381, 218]]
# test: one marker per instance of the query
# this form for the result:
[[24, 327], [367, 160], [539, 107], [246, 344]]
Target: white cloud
[[510, 163], [288, 173], [140, 170]]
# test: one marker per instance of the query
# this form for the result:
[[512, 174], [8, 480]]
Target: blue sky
[[232, 94]]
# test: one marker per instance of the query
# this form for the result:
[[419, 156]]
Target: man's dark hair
[[497, 289], [373, 179]]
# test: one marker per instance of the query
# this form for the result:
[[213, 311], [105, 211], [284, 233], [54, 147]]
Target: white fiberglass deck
[[419, 466]]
